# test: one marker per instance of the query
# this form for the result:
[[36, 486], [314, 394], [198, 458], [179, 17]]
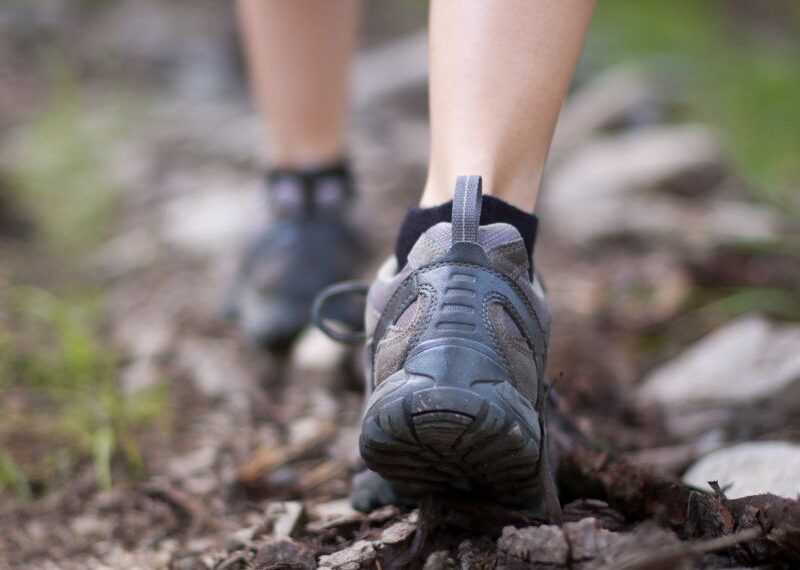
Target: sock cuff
[[493, 210], [304, 192]]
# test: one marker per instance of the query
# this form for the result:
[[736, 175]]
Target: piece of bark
[[284, 555], [269, 457], [477, 554], [333, 514], [321, 474], [606, 517], [653, 548], [630, 550], [640, 494], [188, 511]]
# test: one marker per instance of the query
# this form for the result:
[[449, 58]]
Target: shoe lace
[[323, 323]]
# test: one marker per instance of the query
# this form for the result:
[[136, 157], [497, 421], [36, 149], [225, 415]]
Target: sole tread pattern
[[457, 439]]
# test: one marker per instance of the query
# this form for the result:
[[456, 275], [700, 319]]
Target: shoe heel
[[450, 420]]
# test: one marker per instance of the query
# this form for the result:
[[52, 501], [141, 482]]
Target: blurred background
[[130, 164]]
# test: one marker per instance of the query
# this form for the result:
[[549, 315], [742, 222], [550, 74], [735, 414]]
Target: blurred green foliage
[[772, 301], [739, 63], [61, 168], [56, 356], [56, 371], [12, 477]]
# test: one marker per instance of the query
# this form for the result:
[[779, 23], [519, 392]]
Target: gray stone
[[587, 540], [751, 468], [531, 546], [199, 461], [603, 100], [359, 555], [746, 360], [332, 514], [614, 187], [284, 553], [399, 532], [212, 222], [315, 352]]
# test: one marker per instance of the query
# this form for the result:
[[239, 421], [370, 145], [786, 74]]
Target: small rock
[[284, 554], [88, 525], [333, 514], [315, 352], [193, 463], [284, 516], [528, 547], [146, 339], [203, 485], [587, 540], [335, 509], [748, 359], [620, 181], [211, 222], [637, 550], [215, 369], [750, 469], [439, 560], [197, 545], [308, 432], [241, 538], [359, 555], [140, 374], [397, 533]]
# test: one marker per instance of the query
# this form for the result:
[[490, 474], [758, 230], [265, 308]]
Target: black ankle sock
[[306, 191], [309, 176], [493, 210]]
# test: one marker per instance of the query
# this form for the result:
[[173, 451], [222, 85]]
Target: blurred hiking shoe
[[457, 331], [309, 245]]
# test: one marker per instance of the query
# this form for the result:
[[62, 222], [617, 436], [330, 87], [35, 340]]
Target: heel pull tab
[[467, 209]]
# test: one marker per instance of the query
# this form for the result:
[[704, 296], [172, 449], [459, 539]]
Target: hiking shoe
[[456, 344], [308, 245]]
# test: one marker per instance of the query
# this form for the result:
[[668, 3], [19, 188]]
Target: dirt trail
[[254, 471]]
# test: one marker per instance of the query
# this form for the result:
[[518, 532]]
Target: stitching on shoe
[[433, 266]]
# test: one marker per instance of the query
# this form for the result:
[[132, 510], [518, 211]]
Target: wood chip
[[283, 517]]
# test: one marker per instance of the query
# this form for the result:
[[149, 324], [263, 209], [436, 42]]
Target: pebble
[[750, 468]]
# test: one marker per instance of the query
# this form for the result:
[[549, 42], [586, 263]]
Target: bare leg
[[499, 73], [298, 53]]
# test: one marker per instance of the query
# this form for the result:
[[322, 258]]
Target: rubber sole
[[451, 422]]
